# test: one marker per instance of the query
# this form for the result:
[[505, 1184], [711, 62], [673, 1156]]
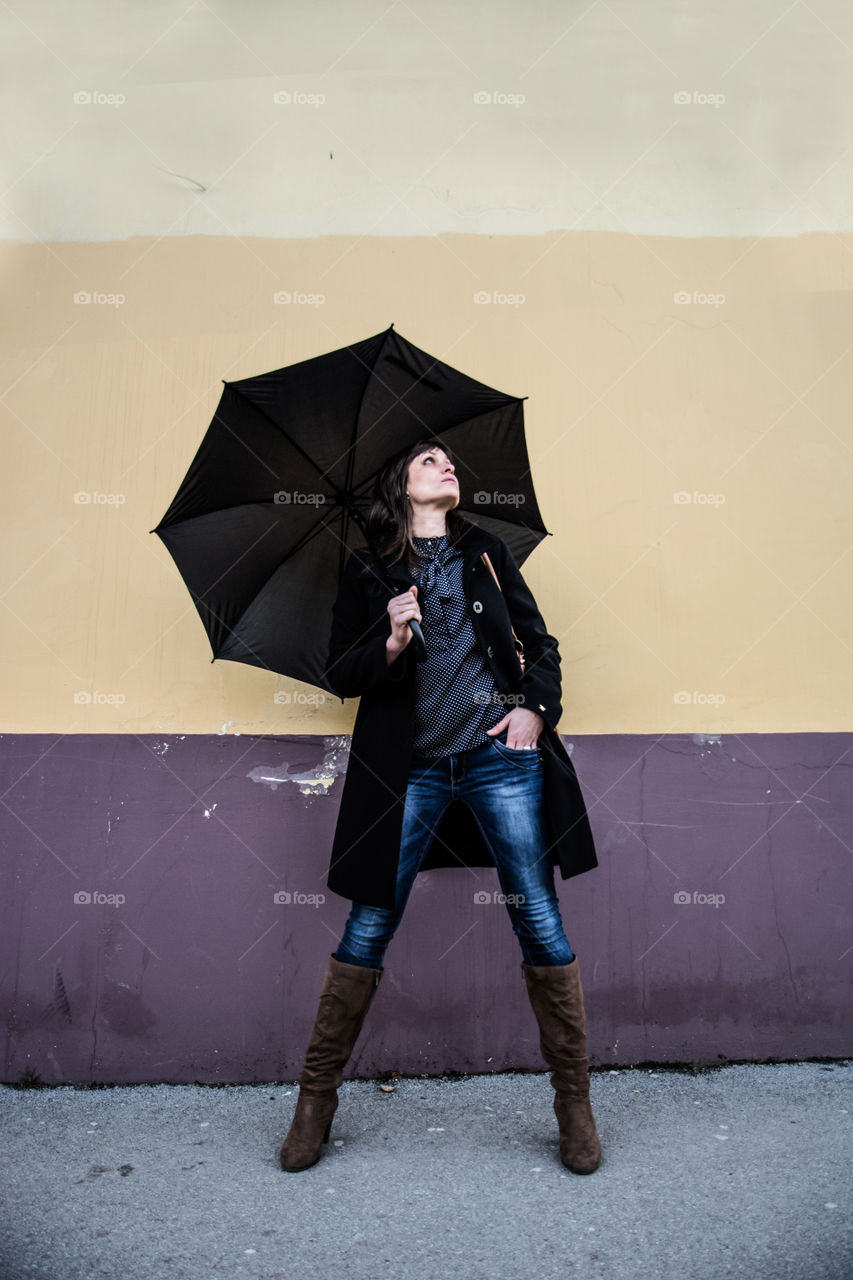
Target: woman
[[455, 760]]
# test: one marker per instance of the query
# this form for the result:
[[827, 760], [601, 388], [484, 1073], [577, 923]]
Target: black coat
[[366, 843]]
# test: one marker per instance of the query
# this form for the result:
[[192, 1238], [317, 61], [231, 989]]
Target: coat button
[[477, 607], [490, 652]]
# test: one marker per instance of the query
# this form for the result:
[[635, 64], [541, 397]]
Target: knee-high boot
[[556, 996], [346, 995]]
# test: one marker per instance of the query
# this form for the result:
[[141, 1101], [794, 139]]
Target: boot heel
[[328, 1131]]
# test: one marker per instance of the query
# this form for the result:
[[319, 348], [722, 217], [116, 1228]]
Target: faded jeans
[[503, 787]]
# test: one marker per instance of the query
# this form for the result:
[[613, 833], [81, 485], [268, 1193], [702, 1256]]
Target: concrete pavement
[[738, 1172]]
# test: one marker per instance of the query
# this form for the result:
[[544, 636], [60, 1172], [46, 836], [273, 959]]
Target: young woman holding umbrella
[[469, 724]]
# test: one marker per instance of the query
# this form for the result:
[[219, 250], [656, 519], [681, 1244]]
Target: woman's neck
[[427, 528]]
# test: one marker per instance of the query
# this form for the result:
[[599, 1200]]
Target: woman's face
[[432, 480]]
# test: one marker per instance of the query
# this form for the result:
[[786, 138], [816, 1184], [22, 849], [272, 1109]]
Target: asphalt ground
[[744, 1171]]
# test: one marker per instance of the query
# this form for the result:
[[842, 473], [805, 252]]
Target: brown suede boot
[[557, 998], [347, 992]]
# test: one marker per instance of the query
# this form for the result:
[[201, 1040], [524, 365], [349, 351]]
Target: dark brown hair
[[389, 520]]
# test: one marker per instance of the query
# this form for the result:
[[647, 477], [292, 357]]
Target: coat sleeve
[[356, 661], [541, 683]]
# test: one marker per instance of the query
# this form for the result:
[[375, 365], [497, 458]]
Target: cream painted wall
[[176, 130], [598, 199], [633, 399]]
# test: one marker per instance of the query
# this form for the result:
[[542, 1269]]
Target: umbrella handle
[[418, 640], [417, 635]]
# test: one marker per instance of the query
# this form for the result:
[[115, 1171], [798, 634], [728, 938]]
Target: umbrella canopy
[[273, 503]]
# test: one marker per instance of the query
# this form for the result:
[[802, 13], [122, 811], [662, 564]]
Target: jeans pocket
[[523, 757]]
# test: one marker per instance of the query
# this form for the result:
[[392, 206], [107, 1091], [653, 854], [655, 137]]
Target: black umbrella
[[278, 492]]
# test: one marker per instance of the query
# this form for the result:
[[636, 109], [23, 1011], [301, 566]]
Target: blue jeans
[[503, 787]]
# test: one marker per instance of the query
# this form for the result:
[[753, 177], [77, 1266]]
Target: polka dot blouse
[[456, 698]]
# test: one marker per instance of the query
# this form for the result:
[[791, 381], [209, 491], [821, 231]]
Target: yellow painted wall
[[595, 202]]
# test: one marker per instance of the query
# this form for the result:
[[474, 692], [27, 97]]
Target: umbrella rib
[[348, 499], [341, 494], [304, 540], [371, 371], [345, 499], [278, 427], [311, 533], [366, 480], [324, 523]]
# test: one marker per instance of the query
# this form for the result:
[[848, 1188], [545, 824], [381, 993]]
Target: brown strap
[[491, 569], [519, 646]]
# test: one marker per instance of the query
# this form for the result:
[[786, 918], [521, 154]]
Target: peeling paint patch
[[209, 811], [702, 739], [311, 782]]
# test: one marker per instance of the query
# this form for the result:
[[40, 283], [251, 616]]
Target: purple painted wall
[[197, 973]]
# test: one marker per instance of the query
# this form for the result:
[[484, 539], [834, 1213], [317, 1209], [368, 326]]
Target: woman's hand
[[401, 609], [523, 728]]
